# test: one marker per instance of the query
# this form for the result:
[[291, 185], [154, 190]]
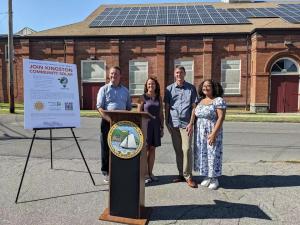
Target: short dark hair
[[157, 88], [180, 68], [116, 68], [217, 89]]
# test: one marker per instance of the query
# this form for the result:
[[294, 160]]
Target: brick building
[[253, 49]]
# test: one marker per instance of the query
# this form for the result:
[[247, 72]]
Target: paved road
[[243, 142], [252, 190]]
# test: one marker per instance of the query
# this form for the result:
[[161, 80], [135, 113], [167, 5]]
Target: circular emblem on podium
[[125, 139]]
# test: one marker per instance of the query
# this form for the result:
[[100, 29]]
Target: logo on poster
[[63, 81], [39, 106]]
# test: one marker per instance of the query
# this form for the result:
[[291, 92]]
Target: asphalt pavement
[[260, 182]]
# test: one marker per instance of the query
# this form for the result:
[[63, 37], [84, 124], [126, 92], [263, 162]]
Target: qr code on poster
[[68, 105]]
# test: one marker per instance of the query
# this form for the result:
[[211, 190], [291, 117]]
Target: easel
[[33, 138]]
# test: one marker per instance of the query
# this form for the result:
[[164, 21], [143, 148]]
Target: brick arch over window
[[276, 57]]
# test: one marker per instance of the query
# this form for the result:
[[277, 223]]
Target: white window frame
[[130, 82], [178, 62], [287, 73], [223, 61], [93, 80]]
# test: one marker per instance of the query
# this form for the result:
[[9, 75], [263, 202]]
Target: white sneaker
[[214, 184], [205, 182], [106, 179], [148, 180]]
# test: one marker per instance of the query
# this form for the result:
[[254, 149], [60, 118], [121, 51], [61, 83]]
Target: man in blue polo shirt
[[112, 96], [180, 100]]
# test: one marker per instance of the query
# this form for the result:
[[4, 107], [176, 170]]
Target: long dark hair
[[157, 87], [217, 89]]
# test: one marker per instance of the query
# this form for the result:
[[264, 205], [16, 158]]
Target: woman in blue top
[[210, 113], [151, 102]]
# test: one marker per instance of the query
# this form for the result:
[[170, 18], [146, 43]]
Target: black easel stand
[[35, 130]]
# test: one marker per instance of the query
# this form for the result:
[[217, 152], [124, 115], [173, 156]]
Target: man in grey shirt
[[112, 96], [180, 101]]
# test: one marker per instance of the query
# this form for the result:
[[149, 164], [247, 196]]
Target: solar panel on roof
[[196, 21], [128, 23], [289, 19], [242, 20], [150, 22], [191, 14], [207, 20], [230, 20]]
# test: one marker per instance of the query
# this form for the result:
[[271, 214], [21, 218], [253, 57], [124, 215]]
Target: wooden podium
[[127, 182]]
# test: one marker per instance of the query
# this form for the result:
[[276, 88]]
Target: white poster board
[[51, 98]]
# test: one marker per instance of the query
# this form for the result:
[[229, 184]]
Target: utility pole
[[11, 58]]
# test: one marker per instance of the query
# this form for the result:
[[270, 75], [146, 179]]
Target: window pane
[[280, 64], [276, 69], [231, 64], [230, 76], [284, 66], [93, 71], [231, 91], [189, 69], [290, 66], [138, 74]]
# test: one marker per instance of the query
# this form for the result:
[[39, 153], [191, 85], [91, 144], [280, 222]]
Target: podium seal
[[125, 139]]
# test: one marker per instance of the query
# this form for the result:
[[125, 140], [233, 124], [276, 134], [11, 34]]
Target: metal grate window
[[231, 76], [138, 74], [93, 71]]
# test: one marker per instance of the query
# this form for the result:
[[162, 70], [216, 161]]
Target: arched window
[[285, 66]]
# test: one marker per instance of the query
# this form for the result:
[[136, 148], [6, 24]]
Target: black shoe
[[179, 179]]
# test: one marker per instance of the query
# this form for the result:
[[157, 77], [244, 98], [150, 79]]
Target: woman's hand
[[211, 138], [189, 129]]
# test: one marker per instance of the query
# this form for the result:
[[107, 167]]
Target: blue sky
[[44, 14]]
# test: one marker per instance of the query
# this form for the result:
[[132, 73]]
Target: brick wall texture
[[257, 53]]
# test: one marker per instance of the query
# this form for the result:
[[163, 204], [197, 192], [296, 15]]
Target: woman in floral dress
[[210, 113]]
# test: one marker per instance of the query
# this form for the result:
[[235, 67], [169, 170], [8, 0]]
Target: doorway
[[284, 86]]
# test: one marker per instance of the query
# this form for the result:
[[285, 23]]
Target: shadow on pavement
[[256, 181], [77, 171], [166, 179], [61, 196], [241, 181], [220, 210]]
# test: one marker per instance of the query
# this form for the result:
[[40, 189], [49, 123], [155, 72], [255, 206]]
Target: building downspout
[[247, 74]]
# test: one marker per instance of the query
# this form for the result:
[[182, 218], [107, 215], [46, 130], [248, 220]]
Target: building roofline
[[155, 35]]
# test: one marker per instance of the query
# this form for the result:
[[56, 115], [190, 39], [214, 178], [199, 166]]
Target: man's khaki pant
[[182, 146]]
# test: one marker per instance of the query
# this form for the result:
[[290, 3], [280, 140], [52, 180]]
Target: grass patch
[[291, 118], [89, 113], [232, 114]]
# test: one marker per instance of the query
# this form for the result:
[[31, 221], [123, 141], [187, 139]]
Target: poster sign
[[51, 98]]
